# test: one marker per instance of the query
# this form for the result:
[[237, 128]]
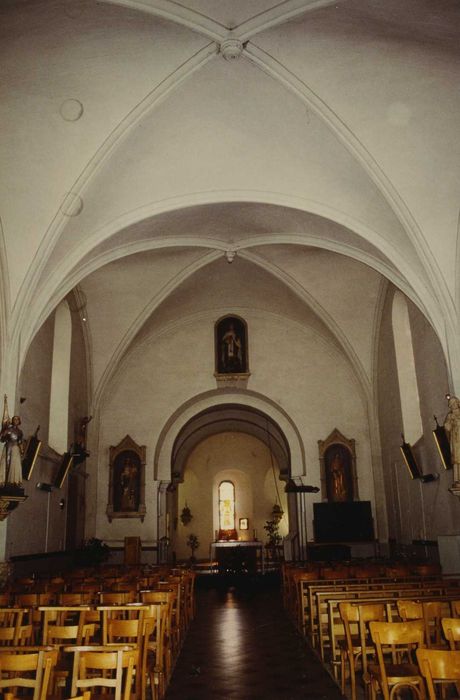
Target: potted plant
[[93, 552], [193, 543], [272, 529]]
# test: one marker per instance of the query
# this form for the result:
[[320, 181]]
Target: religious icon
[[339, 484], [126, 487], [126, 482], [231, 346]]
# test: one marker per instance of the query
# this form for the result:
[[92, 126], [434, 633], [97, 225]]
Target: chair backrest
[[367, 613], [112, 666], [79, 598], [117, 597], [124, 630], [396, 637], [409, 610], [397, 633], [349, 614], [455, 606], [433, 611], [55, 634], [438, 666], [451, 630], [27, 671], [18, 635]]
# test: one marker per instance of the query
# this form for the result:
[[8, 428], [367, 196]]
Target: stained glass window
[[226, 505]]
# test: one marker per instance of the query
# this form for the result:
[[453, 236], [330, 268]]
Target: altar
[[237, 556]]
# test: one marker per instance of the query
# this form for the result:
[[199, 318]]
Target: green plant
[[272, 529], [93, 552]]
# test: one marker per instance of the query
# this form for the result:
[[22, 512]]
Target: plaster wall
[[290, 365], [243, 460], [415, 510]]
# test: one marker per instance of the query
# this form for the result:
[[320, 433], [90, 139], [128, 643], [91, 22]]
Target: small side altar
[[238, 556]]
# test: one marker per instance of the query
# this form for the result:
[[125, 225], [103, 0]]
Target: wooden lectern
[[132, 553]]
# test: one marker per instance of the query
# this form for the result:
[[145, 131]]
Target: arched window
[[226, 505], [408, 388], [60, 379]]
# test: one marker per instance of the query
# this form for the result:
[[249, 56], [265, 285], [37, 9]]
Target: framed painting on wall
[[126, 480], [338, 468]]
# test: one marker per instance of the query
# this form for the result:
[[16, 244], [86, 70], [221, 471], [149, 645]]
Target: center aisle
[[241, 646]]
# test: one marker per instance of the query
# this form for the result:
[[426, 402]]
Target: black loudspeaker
[[348, 521], [66, 463]]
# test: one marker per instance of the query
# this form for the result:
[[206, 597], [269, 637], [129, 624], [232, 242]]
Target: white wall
[[290, 366], [243, 460]]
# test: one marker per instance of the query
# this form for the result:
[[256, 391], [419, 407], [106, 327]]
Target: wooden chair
[[397, 640], [72, 617], [154, 659], [104, 669], [165, 651], [110, 613], [355, 618], [13, 618], [129, 632], [29, 671], [455, 606], [439, 667], [430, 611], [451, 630]]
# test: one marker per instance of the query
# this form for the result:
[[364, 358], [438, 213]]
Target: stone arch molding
[[217, 399]]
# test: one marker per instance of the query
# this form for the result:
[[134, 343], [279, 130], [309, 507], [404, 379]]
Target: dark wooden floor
[[241, 646]]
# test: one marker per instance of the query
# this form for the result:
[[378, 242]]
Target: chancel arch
[[224, 409]]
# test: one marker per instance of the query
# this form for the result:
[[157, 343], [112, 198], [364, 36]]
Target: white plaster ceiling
[[338, 125]]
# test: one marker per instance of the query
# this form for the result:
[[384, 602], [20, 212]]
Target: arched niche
[[231, 346], [337, 457]]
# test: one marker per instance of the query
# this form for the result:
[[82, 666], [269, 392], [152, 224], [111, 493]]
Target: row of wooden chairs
[[152, 622], [360, 643], [314, 606], [106, 577]]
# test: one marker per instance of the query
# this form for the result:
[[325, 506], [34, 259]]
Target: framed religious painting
[[126, 480], [338, 468]]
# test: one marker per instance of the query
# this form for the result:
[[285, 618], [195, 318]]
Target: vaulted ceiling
[[312, 144]]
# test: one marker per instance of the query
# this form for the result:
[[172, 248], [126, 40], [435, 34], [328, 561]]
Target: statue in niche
[[231, 346]]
